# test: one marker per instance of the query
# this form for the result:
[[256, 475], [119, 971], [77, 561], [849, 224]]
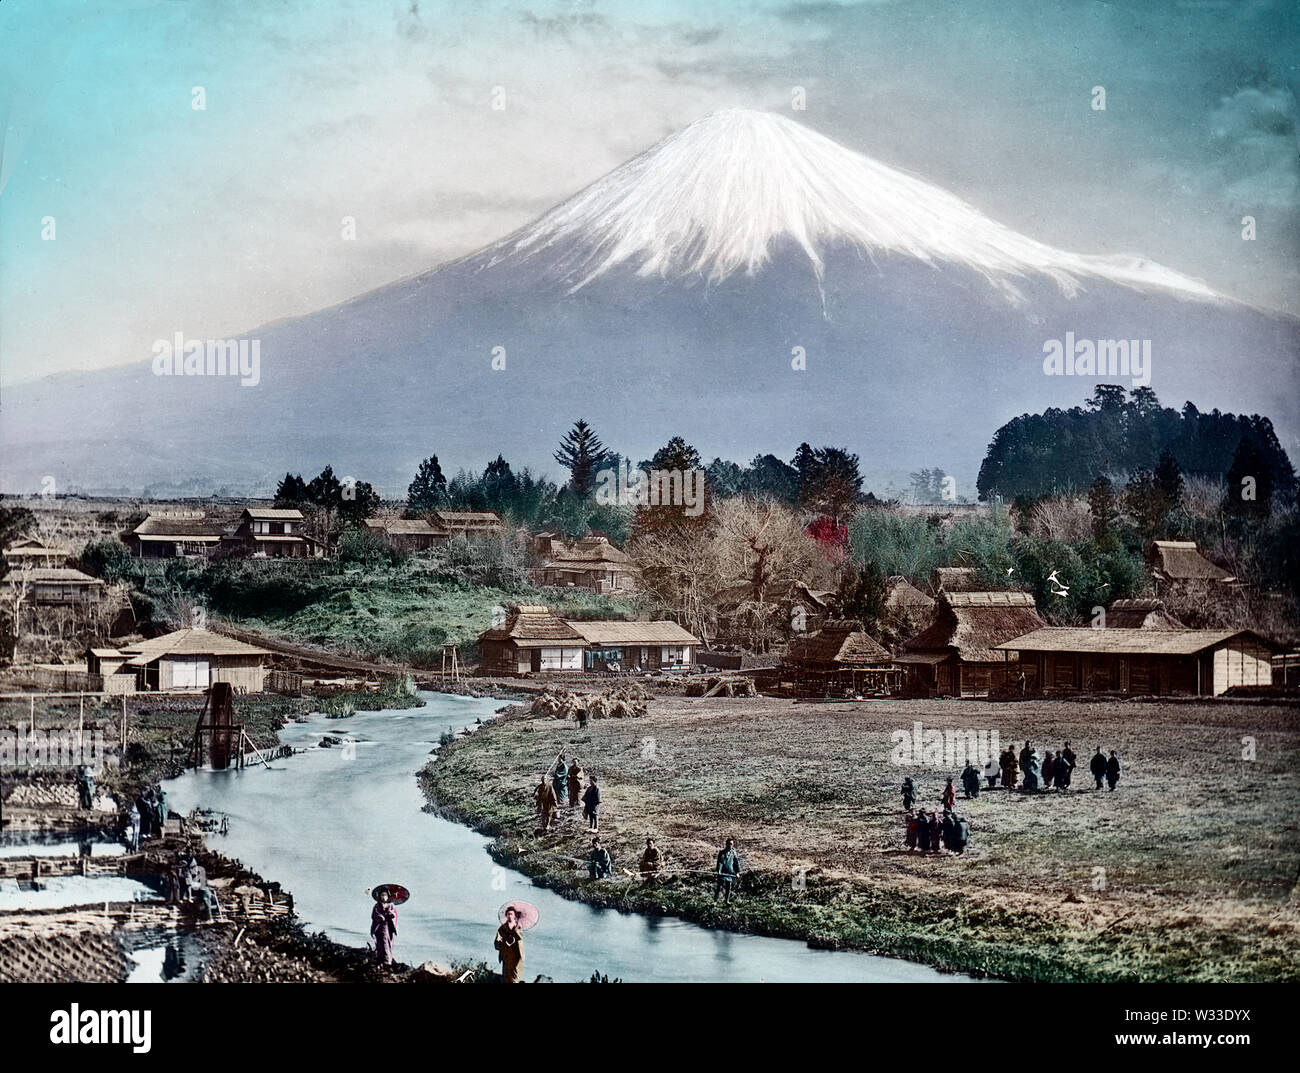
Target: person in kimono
[[509, 942], [1031, 766], [1049, 769], [970, 781], [1098, 767], [991, 771], [591, 805], [949, 795], [560, 777], [923, 831], [383, 928], [544, 795], [650, 861], [133, 828], [909, 793], [1010, 771], [599, 863], [85, 787], [575, 784], [936, 832], [910, 830], [1112, 770]]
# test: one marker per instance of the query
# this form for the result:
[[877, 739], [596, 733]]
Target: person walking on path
[[1098, 767], [1112, 770]]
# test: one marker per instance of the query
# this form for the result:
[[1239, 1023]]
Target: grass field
[[1188, 871]]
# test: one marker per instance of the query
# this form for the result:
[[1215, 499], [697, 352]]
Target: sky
[[128, 214]]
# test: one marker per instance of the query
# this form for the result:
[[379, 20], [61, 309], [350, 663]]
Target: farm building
[[186, 659], [902, 596], [809, 609], [33, 552], [649, 646], [532, 638], [171, 536], [955, 579], [842, 656], [1140, 614], [1143, 661], [54, 586], [591, 563], [957, 654], [1179, 562], [468, 523], [408, 534], [272, 533]]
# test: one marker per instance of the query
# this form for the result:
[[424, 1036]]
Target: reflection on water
[[331, 823]]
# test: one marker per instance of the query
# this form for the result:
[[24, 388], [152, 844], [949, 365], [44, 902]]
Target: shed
[[1145, 661], [194, 659]]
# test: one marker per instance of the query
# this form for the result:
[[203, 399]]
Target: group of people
[[187, 884], [508, 941], [727, 866], [146, 817], [1053, 770], [932, 833], [566, 783]]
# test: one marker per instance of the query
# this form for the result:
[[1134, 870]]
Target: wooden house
[[33, 552], [645, 646], [592, 563], [958, 653], [1173, 563], [472, 524], [534, 639], [188, 659], [271, 533], [409, 535], [842, 656], [1145, 613], [54, 586], [1143, 661], [902, 597], [175, 535], [955, 579]]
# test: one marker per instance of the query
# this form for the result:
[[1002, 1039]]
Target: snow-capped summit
[[717, 198]]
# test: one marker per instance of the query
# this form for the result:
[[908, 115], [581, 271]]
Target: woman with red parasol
[[516, 918], [383, 919]]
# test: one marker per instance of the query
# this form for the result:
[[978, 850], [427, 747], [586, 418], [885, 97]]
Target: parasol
[[527, 914], [397, 893]]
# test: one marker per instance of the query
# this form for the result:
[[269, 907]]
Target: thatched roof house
[[955, 579], [841, 656], [1145, 613], [1144, 661], [902, 595], [591, 563], [168, 536], [1173, 562], [957, 653], [533, 638]]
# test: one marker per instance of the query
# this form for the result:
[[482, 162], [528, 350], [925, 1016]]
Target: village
[[809, 625]]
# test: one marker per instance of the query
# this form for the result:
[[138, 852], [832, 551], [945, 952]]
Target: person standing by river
[[560, 777], [544, 795], [591, 805], [728, 870], [509, 942], [383, 927]]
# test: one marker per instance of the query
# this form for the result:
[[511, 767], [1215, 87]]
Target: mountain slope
[[670, 298]]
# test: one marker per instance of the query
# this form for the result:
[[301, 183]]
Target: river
[[330, 823]]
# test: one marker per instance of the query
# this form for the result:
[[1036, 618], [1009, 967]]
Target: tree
[[428, 490], [829, 480], [1104, 508], [582, 454], [676, 454], [1250, 484], [862, 595], [769, 476], [500, 486], [291, 493], [15, 523]]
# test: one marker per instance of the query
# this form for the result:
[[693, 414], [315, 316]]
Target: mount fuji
[[746, 283]]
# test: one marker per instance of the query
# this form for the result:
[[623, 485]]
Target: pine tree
[[428, 491], [582, 454]]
